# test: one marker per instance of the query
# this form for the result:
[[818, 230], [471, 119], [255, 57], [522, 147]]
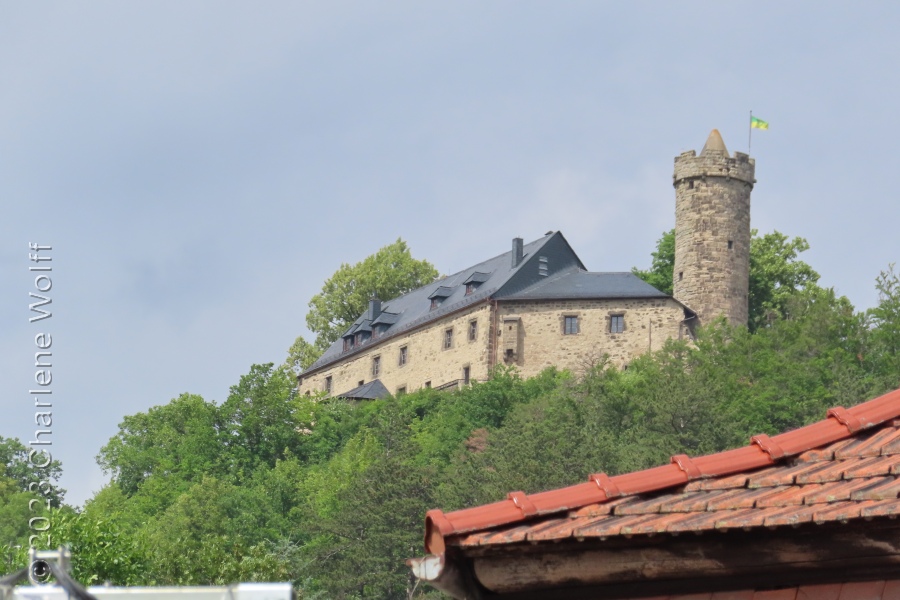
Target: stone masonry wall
[[426, 357], [712, 234], [648, 323]]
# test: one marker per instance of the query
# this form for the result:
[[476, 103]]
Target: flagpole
[[750, 132]]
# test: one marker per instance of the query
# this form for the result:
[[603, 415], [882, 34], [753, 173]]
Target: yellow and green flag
[[758, 123]]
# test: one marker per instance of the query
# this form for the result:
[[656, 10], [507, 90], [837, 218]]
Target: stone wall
[[712, 233], [542, 341], [427, 360]]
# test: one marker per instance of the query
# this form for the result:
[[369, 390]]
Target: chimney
[[518, 252], [374, 308]]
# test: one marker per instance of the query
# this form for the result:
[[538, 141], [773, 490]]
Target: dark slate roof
[[368, 391], [549, 269], [386, 318], [414, 308], [441, 292], [477, 277], [578, 284]]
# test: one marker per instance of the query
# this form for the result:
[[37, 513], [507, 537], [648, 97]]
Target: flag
[[758, 123]]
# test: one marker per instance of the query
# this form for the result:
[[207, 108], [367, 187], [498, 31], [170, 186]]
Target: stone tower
[[712, 231]]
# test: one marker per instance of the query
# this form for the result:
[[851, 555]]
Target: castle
[[538, 306]]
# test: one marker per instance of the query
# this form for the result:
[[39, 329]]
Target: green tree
[[15, 465], [14, 513], [178, 441], [205, 536], [776, 276], [776, 273], [662, 265], [102, 549], [390, 272], [257, 424], [359, 541], [884, 323]]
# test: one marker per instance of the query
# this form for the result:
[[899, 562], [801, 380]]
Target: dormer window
[[383, 322], [438, 296], [474, 281]]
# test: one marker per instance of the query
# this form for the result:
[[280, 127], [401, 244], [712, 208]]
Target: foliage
[[662, 265], [390, 272], [14, 464], [331, 495], [359, 542], [776, 274], [884, 324], [256, 423], [102, 550], [178, 440]]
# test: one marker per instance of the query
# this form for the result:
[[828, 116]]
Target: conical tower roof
[[714, 143]]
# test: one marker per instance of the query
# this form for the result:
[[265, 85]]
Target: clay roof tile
[[838, 469]]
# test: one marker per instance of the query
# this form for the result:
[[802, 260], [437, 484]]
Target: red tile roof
[[841, 468]]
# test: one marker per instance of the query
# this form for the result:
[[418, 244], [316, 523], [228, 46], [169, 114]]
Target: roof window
[[475, 280], [438, 296]]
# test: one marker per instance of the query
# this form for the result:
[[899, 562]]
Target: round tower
[[712, 231]]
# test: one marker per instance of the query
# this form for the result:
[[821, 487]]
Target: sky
[[201, 167]]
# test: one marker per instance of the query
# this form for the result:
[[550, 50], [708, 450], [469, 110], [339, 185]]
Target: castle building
[[712, 231], [537, 305]]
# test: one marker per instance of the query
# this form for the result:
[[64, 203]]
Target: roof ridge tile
[[813, 448]]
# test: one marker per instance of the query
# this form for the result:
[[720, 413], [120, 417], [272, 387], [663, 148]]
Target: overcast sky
[[200, 168]]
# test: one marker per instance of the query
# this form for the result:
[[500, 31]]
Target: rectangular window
[[435, 302], [428, 385], [570, 327], [448, 338], [466, 372], [361, 383], [616, 323], [328, 384], [470, 288], [401, 390], [473, 330], [376, 366], [403, 356]]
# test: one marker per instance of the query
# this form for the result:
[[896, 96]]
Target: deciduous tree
[[390, 272], [776, 273]]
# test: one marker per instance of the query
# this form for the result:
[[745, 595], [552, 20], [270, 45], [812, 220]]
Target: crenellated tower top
[[712, 231]]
